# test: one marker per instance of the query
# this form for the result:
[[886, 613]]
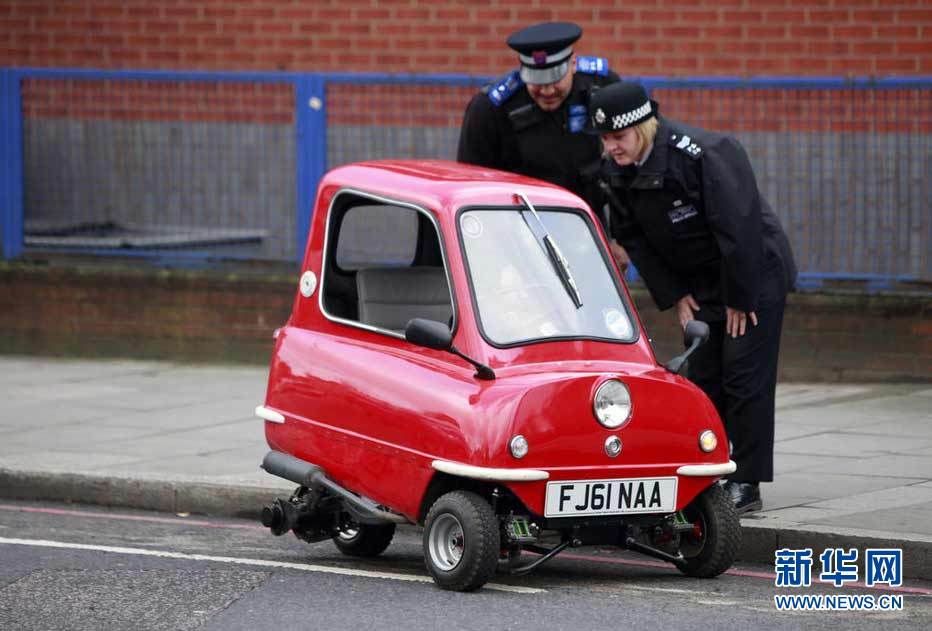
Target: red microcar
[[463, 354]]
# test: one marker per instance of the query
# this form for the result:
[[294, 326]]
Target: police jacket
[[693, 221], [504, 129]]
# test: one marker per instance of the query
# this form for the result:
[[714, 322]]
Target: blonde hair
[[646, 132]]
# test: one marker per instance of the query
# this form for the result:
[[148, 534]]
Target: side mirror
[[429, 333], [696, 333], [695, 330], [437, 335]]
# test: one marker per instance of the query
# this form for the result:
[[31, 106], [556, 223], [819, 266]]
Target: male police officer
[[531, 120]]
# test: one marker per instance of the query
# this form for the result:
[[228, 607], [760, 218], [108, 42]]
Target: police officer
[[687, 209], [531, 120]]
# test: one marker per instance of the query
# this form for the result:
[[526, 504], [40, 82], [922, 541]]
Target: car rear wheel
[[710, 547], [363, 540], [461, 541]]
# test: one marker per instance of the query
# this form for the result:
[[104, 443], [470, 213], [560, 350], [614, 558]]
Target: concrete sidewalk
[[853, 462]]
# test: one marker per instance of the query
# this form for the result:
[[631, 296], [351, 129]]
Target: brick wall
[[141, 314], [834, 337], [640, 37], [224, 317], [271, 103]]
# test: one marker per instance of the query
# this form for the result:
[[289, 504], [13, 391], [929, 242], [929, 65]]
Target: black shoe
[[745, 495]]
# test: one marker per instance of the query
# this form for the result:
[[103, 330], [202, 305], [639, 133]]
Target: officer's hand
[[736, 321], [620, 256], [685, 307]]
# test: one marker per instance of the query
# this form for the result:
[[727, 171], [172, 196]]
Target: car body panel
[[375, 411]]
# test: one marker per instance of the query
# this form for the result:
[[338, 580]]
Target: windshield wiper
[[550, 247]]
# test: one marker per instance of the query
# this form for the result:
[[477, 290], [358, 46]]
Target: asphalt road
[[75, 568]]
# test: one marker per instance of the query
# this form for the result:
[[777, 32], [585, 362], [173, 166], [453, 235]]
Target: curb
[[759, 542], [164, 495]]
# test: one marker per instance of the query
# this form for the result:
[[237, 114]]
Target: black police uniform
[[694, 222], [504, 129]]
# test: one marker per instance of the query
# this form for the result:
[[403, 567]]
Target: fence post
[[11, 164], [311, 148]]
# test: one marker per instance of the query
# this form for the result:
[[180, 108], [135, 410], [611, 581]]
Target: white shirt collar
[[639, 163]]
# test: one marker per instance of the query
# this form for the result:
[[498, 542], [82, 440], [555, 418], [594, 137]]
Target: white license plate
[[610, 497]]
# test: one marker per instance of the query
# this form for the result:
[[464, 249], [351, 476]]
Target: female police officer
[[687, 209]]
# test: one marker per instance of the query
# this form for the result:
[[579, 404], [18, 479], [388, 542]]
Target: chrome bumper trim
[[487, 473], [699, 470], [269, 415]]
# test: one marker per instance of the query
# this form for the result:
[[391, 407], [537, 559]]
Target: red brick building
[[639, 37]]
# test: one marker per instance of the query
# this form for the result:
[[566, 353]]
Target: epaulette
[[592, 65], [686, 144], [502, 89]]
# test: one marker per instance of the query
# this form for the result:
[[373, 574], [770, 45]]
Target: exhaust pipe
[[363, 510], [280, 516]]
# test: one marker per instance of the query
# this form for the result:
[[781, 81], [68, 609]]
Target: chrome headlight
[[518, 446], [612, 404]]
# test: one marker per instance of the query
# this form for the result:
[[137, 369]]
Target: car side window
[[385, 266]]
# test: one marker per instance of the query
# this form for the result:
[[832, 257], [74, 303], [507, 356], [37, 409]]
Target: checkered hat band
[[556, 57], [620, 121]]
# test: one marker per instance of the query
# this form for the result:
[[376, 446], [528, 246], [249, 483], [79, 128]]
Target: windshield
[[519, 296]]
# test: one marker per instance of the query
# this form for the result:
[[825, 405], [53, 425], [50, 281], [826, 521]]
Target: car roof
[[444, 185]]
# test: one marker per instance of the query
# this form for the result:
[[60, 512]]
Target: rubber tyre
[[714, 550], [468, 518], [368, 540]]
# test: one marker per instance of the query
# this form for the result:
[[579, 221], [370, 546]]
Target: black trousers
[[739, 375]]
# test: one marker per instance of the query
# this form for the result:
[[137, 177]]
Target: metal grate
[[117, 165], [226, 164]]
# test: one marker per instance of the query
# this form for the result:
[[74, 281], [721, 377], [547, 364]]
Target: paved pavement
[[853, 462]]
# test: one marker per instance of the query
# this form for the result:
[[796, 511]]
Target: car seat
[[390, 296]]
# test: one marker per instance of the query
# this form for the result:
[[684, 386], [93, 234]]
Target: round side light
[[518, 446], [612, 404], [612, 446]]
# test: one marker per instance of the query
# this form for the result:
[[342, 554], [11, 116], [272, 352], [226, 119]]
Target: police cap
[[618, 106], [545, 50]]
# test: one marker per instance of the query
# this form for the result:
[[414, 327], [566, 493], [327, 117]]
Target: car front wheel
[[712, 544], [461, 541]]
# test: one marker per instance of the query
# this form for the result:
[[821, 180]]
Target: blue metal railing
[[11, 165], [846, 163], [17, 210]]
